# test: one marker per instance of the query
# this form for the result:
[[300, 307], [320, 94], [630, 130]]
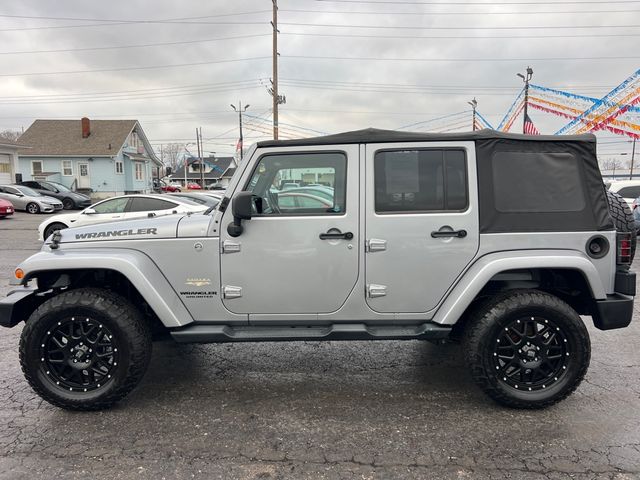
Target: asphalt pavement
[[346, 410]]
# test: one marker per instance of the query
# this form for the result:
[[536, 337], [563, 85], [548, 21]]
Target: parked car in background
[[119, 208], [193, 186], [627, 189], [197, 197], [162, 186], [24, 198], [6, 208], [68, 197], [636, 214]]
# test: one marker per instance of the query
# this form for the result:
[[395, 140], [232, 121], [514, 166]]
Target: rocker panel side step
[[351, 331]]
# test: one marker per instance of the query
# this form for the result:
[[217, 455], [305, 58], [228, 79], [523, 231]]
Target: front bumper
[[17, 306]]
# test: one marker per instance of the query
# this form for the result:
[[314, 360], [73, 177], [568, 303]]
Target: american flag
[[239, 145], [529, 127]]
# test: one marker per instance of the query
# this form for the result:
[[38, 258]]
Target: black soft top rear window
[[527, 186]]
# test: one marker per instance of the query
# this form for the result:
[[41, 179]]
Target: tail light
[[624, 248]]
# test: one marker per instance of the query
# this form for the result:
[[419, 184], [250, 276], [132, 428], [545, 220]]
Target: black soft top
[[376, 135], [526, 183]]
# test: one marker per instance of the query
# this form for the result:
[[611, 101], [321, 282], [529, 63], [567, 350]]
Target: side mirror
[[241, 209], [89, 211]]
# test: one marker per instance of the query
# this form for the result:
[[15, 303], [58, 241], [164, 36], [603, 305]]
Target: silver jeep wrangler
[[500, 241]]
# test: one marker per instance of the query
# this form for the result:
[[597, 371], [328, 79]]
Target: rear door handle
[[336, 235], [449, 233]]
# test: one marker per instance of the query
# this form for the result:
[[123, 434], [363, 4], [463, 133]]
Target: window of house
[[119, 167], [67, 168], [300, 184], [139, 171], [426, 180], [36, 167]]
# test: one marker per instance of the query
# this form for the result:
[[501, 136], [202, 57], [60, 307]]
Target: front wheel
[[527, 349], [85, 349], [68, 204], [33, 208]]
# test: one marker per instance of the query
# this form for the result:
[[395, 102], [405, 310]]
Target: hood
[[137, 229]]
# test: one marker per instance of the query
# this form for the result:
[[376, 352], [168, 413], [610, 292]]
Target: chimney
[[86, 127]]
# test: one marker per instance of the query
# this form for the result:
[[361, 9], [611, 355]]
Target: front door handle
[[449, 233], [336, 235]]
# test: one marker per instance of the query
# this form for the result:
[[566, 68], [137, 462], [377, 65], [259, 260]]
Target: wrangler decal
[[117, 233]]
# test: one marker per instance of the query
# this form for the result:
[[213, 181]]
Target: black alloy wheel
[[68, 204], [531, 353], [85, 349], [526, 348], [79, 353]]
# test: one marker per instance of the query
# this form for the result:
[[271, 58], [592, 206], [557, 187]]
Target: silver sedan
[[24, 198]]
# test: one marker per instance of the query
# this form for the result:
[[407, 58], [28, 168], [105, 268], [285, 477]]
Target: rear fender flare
[[485, 268]]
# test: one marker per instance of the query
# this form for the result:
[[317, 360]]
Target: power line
[[449, 37], [548, 12], [121, 69], [403, 2], [116, 47], [309, 57], [121, 20], [410, 27]]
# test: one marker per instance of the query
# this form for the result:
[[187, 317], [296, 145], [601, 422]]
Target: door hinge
[[229, 247], [375, 245], [374, 291], [229, 292]]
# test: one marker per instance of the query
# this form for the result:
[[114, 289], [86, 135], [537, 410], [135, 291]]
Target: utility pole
[[633, 156], [474, 104], [240, 110], [201, 154], [274, 80], [526, 79], [277, 98]]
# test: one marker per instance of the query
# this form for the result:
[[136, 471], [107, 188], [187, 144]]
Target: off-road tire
[[32, 208], [622, 218], [132, 337], [68, 204], [489, 323], [52, 228]]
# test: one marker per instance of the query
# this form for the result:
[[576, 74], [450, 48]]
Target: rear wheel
[[527, 349], [68, 204], [85, 349], [33, 208], [52, 228]]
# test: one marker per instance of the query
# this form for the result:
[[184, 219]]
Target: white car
[[627, 189], [119, 208], [24, 198]]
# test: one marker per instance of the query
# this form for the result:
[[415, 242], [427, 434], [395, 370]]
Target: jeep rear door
[[421, 222], [299, 252]]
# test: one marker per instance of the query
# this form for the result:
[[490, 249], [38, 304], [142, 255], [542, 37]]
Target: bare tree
[[611, 164], [171, 153], [11, 135]]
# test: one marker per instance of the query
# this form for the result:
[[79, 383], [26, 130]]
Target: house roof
[[374, 135], [229, 173], [219, 165], [64, 137]]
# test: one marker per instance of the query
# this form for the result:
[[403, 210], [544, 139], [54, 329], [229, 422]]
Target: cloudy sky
[[344, 64]]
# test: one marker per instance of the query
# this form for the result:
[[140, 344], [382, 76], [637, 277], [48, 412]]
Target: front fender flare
[[479, 274], [137, 267]]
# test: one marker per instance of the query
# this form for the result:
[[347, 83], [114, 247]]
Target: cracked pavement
[[345, 410]]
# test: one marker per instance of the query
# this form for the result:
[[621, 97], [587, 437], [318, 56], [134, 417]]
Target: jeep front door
[[299, 252], [421, 223]]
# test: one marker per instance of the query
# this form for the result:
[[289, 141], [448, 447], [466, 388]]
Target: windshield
[[27, 191], [59, 186]]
